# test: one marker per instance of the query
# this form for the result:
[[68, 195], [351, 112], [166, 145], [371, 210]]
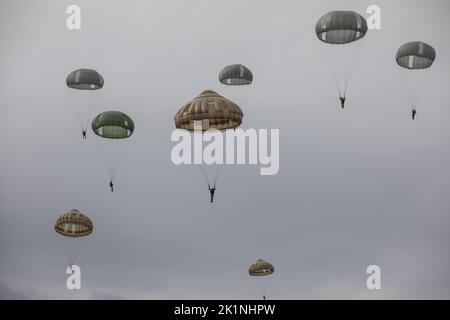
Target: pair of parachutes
[[75, 226], [209, 110], [110, 126], [342, 32]]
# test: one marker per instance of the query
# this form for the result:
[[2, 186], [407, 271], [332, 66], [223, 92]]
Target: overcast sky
[[360, 186]]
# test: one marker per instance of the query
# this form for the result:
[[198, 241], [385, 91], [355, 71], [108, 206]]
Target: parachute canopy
[[84, 79], [74, 224], [213, 110], [261, 268], [113, 125], [236, 75], [415, 55], [341, 27]]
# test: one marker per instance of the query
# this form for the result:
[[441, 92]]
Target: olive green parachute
[[415, 59], [340, 32], [261, 268], [415, 55], [114, 129], [74, 224], [236, 75], [84, 98], [84, 79], [212, 110], [113, 125], [341, 27]]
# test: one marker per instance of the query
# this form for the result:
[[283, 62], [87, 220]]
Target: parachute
[[261, 268], [212, 110], [341, 31], [114, 128], [86, 81], [113, 125], [74, 226], [209, 110], [415, 59], [236, 75]]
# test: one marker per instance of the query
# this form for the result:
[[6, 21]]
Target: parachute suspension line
[[111, 167], [85, 122], [335, 70], [330, 68], [82, 245], [341, 73], [67, 253], [218, 171], [72, 255], [119, 160], [88, 118], [359, 45], [414, 85], [76, 254], [326, 58], [77, 110], [79, 100], [204, 174], [91, 107], [216, 175], [105, 160]]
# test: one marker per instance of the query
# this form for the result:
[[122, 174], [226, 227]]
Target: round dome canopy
[[113, 125], [236, 75], [415, 55], [84, 79], [261, 268], [341, 27], [74, 224], [213, 110]]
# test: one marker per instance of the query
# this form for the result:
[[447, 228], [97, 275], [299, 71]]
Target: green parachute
[[114, 128], [340, 33], [85, 83], [415, 59]]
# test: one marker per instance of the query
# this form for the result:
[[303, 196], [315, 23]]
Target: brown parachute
[[261, 268], [212, 110], [74, 224]]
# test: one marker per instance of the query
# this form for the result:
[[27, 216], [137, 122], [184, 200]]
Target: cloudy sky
[[360, 186]]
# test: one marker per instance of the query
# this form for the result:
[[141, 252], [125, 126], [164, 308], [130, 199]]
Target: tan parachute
[[213, 110], [74, 224], [261, 268]]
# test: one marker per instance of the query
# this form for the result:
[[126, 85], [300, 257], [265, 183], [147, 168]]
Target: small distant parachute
[[114, 128], [415, 55], [74, 226], [84, 81], [207, 111], [415, 58], [341, 31], [236, 75], [262, 268]]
